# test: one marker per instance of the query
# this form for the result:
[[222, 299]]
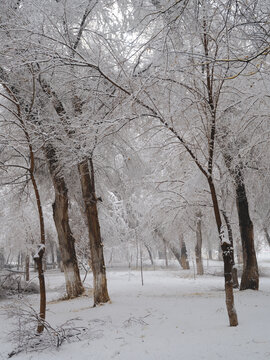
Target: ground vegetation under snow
[[175, 314]]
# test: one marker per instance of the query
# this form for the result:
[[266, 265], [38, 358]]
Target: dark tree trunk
[[230, 235], [74, 285], [38, 260], [96, 247], [184, 258], [27, 263], [198, 247], [227, 259], [250, 275], [267, 235], [41, 250]]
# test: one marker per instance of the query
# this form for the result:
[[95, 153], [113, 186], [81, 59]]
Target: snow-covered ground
[[172, 316]]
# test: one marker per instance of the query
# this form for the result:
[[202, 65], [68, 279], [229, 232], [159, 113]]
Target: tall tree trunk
[[250, 275], [227, 259], [184, 258], [230, 235], [41, 249], [198, 247], [96, 247], [74, 285]]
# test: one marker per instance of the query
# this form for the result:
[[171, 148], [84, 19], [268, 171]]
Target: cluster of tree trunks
[[66, 240]]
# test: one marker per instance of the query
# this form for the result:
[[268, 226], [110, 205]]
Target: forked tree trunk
[[198, 247], [250, 275], [227, 259], [74, 285], [96, 247], [184, 258]]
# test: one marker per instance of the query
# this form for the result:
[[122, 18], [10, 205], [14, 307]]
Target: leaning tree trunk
[[96, 247], [74, 285], [149, 253], [250, 276], [176, 252], [198, 247]]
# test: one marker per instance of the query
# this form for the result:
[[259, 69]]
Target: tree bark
[[149, 253], [96, 247], [176, 252], [41, 249], [184, 258], [227, 259], [250, 275], [230, 235], [74, 285], [198, 247], [267, 235], [27, 263]]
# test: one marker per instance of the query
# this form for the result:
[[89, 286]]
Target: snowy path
[[172, 316]]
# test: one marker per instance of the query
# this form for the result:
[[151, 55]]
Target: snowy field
[[173, 316]]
